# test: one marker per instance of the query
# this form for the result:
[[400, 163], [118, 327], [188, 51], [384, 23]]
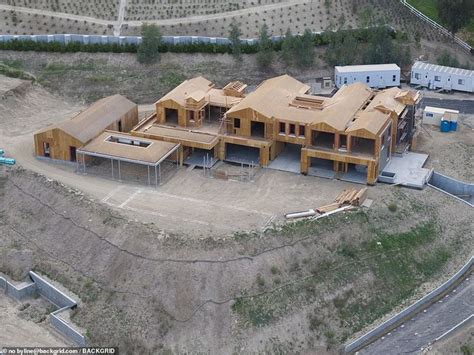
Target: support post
[[112, 161], [159, 173], [148, 169], [120, 175], [156, 176]]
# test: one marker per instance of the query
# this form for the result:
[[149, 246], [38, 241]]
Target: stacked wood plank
[[347, 197], [351, 197]]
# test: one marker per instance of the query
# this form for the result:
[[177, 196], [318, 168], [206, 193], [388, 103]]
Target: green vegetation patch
[[428, 7], [398, 263], [14, 71]]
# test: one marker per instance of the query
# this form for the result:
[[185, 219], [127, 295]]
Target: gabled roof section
[[342, 107], [91, 122], [369, 121], [272, 95], [192, 88]]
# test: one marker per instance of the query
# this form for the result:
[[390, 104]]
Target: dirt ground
[[154, 281], [450, 153], [460, 343], [22, 325]]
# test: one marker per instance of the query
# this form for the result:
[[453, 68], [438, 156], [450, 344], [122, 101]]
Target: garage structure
[[436, 77], [62, 140], [122, 149]]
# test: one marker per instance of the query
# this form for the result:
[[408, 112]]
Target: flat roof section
[[439, 110], [366, 68], [186, 137], [125, 147]]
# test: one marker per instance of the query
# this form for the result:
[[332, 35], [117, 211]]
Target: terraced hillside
[[103, 9], [209, 17], [165, 9]]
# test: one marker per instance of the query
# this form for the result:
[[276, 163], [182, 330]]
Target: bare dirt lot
[[152, 281], [25, 325]]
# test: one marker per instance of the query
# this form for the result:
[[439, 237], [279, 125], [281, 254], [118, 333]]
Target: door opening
[[46, 149], [72, 153]]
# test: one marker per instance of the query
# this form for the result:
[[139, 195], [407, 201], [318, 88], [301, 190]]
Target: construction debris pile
[[347, 199]]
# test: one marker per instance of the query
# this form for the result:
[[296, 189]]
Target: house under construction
[[352, 134]]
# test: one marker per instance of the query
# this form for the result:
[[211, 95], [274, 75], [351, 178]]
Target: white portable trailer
[[433, 115], [437, 77], [377, 76]]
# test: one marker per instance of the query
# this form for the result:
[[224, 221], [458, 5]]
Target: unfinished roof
[[125, 147], [369, 121], [366, 68], [217, 97], [442, 69], [386, 100], [188, 138], [272, 95], [192, 88], [284, 98], [92, 121], [343, 106], [235, 88]]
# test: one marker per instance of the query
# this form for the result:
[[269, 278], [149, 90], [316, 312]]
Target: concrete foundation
[[407, 170]]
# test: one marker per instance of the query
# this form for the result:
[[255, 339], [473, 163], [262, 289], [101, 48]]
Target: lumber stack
[[350, 197], [347, 197]]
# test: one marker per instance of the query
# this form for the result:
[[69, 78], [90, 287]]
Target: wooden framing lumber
[[328, 208]]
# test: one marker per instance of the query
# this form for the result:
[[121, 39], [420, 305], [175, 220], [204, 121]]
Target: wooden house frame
[[357, 126], [62, 140]]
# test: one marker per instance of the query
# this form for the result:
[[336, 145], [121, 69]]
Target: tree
[[447, 60], [380, 46], [288, 48], [265, 52], [234, 37], [305, 49], [455, 14], [148, 50], [342, 48]]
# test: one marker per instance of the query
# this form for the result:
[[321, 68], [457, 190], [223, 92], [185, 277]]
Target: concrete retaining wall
[[61, 300], [40, 286], [51, 293], [410, 311], [18, 293], [64, 328], [461, 190]]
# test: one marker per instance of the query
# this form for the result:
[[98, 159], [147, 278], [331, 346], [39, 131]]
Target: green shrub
[[392, 207], [275, 270]]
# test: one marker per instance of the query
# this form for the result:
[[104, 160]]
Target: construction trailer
[[353, 133], [438, 77], [377, 76], [434, 115], [62, 140]]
